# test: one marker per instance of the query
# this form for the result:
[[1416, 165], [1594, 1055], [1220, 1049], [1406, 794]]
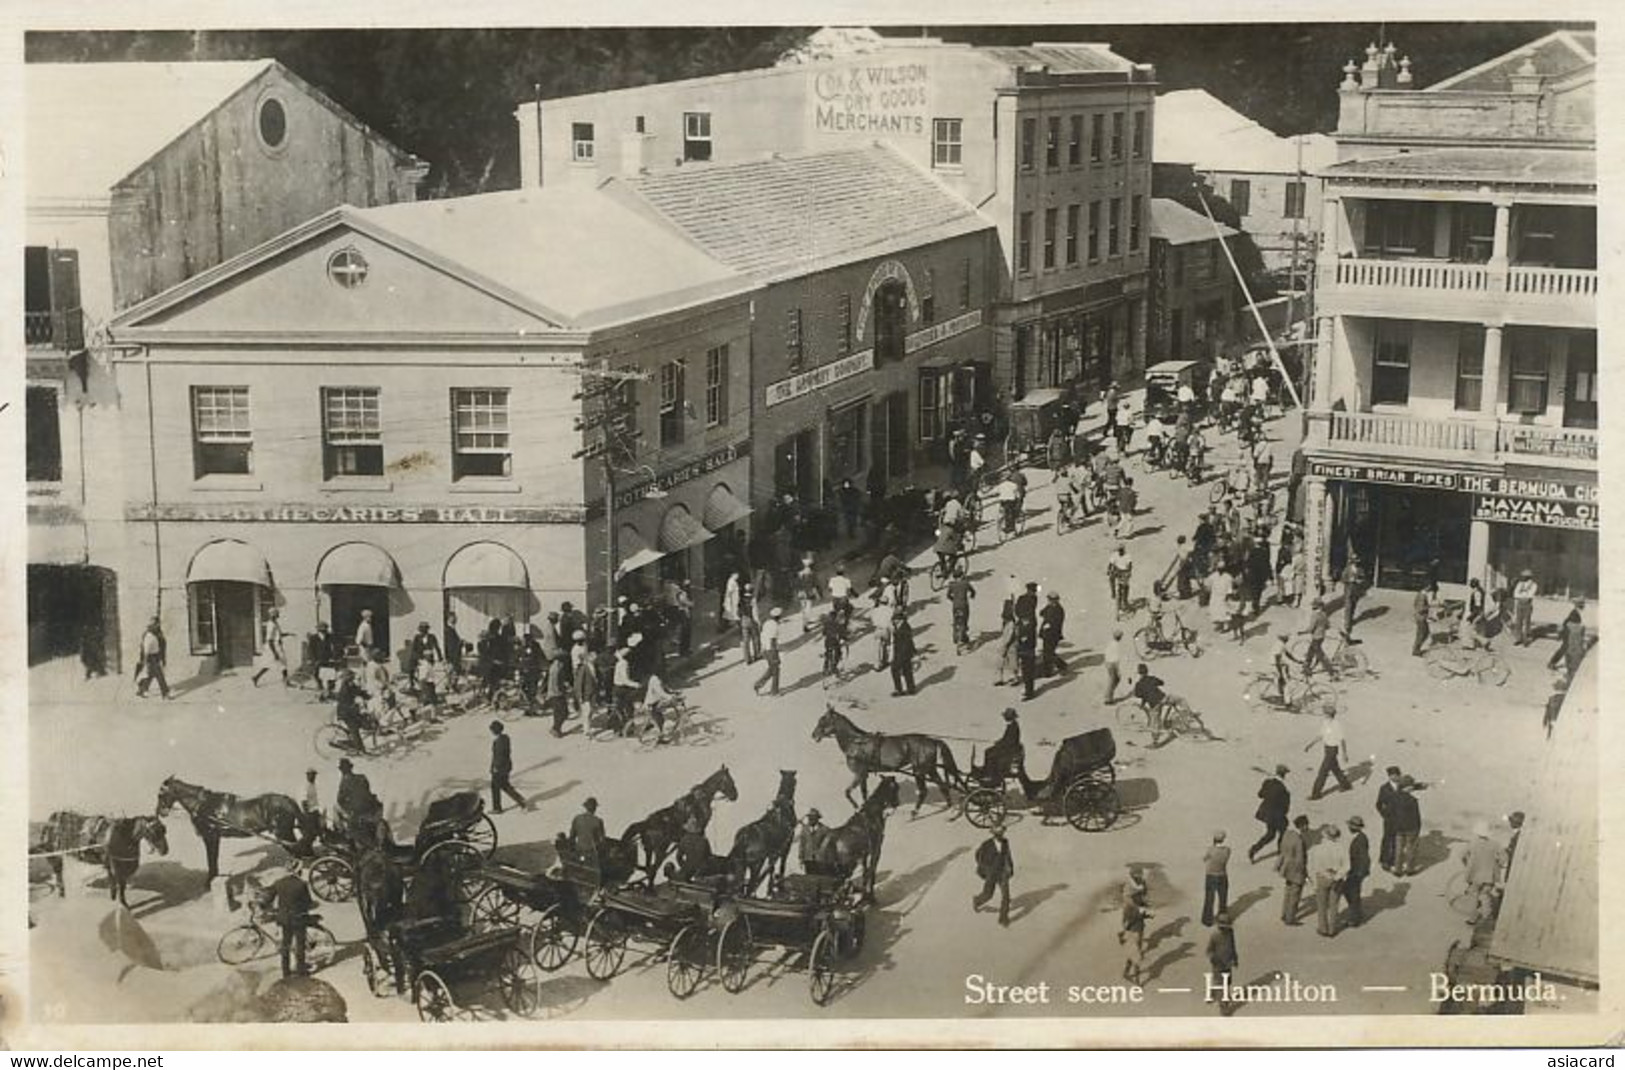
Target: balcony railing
[[59, 330], [1394, 432], [37, 328], [1560, 443], [1414, 275], [1552, 281], [1399, 434]]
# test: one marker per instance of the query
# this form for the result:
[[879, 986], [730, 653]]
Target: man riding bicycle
[[1009, 494], [948, 548], [1157, 608], [1148, 691]]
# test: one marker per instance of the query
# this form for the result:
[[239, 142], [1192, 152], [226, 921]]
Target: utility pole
[[610, 410], [1252, 306]]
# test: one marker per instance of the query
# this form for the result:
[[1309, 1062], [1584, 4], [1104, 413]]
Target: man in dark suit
[[1052, 619], [1026, 652], [1274, 803], [454, 646], [1359, 869], [995, 866], [1026, 604], [288, 898], [902, 654], [1386, 797], [502, 769]]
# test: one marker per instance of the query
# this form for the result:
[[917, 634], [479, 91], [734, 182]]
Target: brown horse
[[113, 842], [659, 832], [217, 814], [860, 839], [925, 758], [763, 846]]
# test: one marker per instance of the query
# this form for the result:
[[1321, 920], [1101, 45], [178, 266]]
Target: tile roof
[[782, 215], [1062, 58], [1197, 128], [573, 250], [1175, 224], [1554, 55], [1555, 167], [88, 125]]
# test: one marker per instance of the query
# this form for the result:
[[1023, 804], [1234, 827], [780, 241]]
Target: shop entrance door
[[477, 607], [236, 619], [1580, 396], [795, 466], [345, 603]]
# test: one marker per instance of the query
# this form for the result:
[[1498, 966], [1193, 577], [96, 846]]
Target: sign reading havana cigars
[[858, 363], [1580, 516], [362, 514]]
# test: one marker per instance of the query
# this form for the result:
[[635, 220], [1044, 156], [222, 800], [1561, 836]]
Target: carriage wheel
[[518, 981], [462, 861], [1090, 806], [551, 943], [321, 948], [331, 879], [492, 909], [984, 807], [734, 947], [432, 997], [482, 834], [685, 961], [606, 947], [242, 944], [331, 742], [377, 972], [821, 968]]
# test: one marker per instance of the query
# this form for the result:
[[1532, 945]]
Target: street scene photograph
[[542, 527]]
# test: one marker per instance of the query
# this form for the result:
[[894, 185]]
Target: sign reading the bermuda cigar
[[872, 98], [823, 375], [285, 513], [1581, 516]]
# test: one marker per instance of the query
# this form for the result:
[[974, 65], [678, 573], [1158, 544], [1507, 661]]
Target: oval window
[[273, 123]]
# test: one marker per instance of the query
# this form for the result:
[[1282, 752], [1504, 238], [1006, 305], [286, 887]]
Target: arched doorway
[[228, 588], [486, 581], [891, 320], [358, 576]]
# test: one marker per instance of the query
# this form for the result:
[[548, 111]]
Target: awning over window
[[486, 564], [679, 530], [722, 508], [359, 564], [229, 561], [633, 551]]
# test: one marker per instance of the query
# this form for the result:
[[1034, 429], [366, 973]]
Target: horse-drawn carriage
[[819, 919], [1081, 786], [455, 826]]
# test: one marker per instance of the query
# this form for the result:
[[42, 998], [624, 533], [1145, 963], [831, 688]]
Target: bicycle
[[1347, 660], [1066, 513], [1449, 661], [1151, 641], [1012, 520], [1125, 606], [1173, 718], [1302, 696], [252, 940]]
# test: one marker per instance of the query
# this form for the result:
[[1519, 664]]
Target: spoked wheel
[[685, 961], [821, 968], [551, 943], [432, 997], [243, 944], [1090, 805], [939, 577], [492, 909], [1442, 664], [734, 947], [984, 807], [331, 879], [1314, 696], [606, 947], [461, 859], [518, 980], [1492, 669], [379, 978], [649, 733], [320, 947], [332, 742], [482, 834], [1146, 644]]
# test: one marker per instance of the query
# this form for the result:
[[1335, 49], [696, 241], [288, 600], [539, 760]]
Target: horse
[[217, 814], [925, 758], [659, 832], [113, 842], [763, 846], [860, 839]]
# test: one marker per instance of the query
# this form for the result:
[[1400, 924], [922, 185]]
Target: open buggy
[[1081, 786], [455, 826]]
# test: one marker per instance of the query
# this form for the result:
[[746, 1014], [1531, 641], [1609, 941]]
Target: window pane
[[43, 439]]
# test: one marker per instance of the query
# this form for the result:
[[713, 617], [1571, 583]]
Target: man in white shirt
[[1328, 864], [840, 594], [1523, 607], [1113, 662], [770, 651], [1333, 746], [363, 633], [978, 462], [1009, 496]]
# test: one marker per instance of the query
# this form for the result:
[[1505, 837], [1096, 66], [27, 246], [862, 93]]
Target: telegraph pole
[[610, 410]]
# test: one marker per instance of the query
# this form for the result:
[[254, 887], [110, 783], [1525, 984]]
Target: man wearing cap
[[502, 768], [288, 899], [1216, 879], [770, 652], [1354, 588], [1051, 620], [1026, 643], [587, 832], [1293, 865], [995, 866], [364, 635], [1327, 864], [583, 677], [150, 663], [1315, 653], [960, 593], [1009, 755], [324, 654], [1359, 868], [813, 834], [693, 852], [1387, 796], [625, 684], [360, 812], [1333, 746], [347, 699], [1572, 641], [1275, 802], [902, 654], [1222, 955], [1407, 826], [1523, 607]]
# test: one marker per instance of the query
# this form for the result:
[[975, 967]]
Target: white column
[[1331, 228], [1478, 552], [1490, 392], [1499, 253], [1325, 350], [1314, 527]]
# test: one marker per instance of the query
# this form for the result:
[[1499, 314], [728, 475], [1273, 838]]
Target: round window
[[347, 268], [273, 123]]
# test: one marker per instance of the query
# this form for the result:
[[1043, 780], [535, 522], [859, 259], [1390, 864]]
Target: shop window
[[1052, 142], [964, 285], [928, 298], [1074, 140], [716, 386], [891, 321], [1391, 363], [1029, 135], [1114, 227], [1097, 137], [222, 436], [1294, 201], [843, 324], [481, 447], [1137, 147], [1136, 222], [697, 136], [352, 433], [673, 568], [793, 352], [1469, 368], [1241, 196], [1117, 135], [1072, 213], [673, 376], [581, 142], [201, 601], [1049, 238], [947, 142], [1024, 243], [1526, 393], [1094, 231], [43, 439], [847, 440], [934, 387]]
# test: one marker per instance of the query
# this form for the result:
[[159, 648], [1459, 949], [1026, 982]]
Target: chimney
[[634, 154], [1526, 79]]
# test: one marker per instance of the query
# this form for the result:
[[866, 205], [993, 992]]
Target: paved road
[[95, 747]]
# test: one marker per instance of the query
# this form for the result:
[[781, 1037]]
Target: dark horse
[[860, 839], [763, 846], [925, 758], [659, 832], [217, 814], [114, 842]]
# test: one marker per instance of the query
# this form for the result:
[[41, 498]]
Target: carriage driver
[[813, 835], [1008, 755]]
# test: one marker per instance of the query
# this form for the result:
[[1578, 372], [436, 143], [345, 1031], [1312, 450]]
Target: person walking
[[1484, 861], [1359, 867], [1327, 864], [1219, 609], [1177, 575], [1222, 955], [583, 677], [532, 664], [365, 635], [1315, 653], [556, 696], [1523, 607], [1333, 746], [1421, 615], [1027, 654], [770, 651], [273, 655], [1131, 934], [1407, 827], [750, 626], [1355, 583], [806, 593], [1258, 574], [1387, 795], [960, 593], [502, 769], [288, 898], [1052, 619], [1275, 802], [902, 654], [1112, 659], [1572, 642], [1216, 880], [995, 866], [1293, 865], [454, 648], [149, 663], [587, 832]]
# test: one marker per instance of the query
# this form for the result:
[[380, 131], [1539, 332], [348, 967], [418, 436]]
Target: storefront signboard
[[823, 375], [1397, 475], [1576, 515], [887, 98], [1538, 488], [1546, 442], [299, 513], [674, 477], [939, 332]]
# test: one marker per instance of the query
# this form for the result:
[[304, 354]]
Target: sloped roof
[[1197, 128], [1554, 56], [88, 125], [784, 214], [1060, 58], [574, 250], [1549, 167], [1175, 224]]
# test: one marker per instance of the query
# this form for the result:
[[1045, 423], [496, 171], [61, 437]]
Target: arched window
[[891, 321]]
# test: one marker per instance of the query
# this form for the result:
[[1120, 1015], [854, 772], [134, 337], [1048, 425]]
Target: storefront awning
[[486, 564], [633, 552], [359, 564], [679, 530], [229, 561], [722, 509]]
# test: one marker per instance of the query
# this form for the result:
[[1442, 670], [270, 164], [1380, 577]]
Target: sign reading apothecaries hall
[[300, 513]]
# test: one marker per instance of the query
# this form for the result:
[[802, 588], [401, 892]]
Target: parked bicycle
[[1264, 693], [261, 936], [1449, 661], [1348, 661], [1168, 720]]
